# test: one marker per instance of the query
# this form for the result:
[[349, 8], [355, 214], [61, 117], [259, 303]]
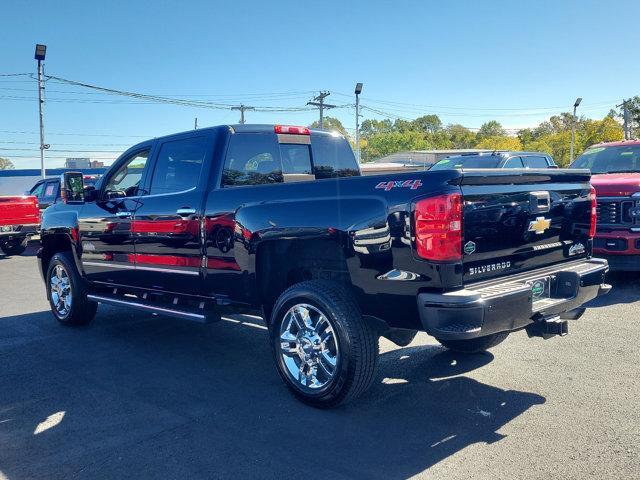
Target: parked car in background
[[616, 177], [19, 219], [496, 159], [47, 191]]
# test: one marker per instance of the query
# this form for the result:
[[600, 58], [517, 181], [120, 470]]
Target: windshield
[[625, 158], [471, 161]]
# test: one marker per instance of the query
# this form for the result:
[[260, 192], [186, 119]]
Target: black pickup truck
[[278, 220]]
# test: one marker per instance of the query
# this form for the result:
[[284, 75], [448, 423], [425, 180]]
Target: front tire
[[66, 292], [474, 345], [324, 350], [14, 247]]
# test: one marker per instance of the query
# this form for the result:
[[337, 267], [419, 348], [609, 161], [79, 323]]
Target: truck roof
[[620, 143]]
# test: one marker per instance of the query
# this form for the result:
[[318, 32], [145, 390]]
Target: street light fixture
[[357, 92], [573, 128], [41, 52]]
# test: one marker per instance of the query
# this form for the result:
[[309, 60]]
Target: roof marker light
[[291, 130]]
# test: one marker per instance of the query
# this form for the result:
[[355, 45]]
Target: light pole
[[357, 92], [41, 51], [573, 128]]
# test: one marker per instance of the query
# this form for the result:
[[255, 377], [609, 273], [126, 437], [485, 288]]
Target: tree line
[[379, 138]]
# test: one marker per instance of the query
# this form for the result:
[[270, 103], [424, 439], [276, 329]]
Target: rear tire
[[14, 247], [324, 350], [66, 292], [474, 345]]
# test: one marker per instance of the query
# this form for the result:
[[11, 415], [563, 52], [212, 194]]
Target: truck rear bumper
[[11, 232], [512, 303]]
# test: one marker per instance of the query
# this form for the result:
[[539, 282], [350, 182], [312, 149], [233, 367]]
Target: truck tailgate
[[19, 210], [518, 220]]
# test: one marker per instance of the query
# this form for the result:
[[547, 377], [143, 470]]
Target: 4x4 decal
[[412, 184]]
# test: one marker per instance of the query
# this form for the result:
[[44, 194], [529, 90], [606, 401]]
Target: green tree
[[489, 129], [460, 137], [382, 144], [330, 124], [372, 127], [500, 143], [6, 164], [427, 124]]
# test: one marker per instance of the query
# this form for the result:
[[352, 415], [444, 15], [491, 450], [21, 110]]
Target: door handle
[[183, 212], [123, 214]]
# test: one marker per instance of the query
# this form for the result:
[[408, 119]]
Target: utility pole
[[319, 102], [625, 119], [242, 109], [195, 124], [573, 127], [41, 51], [357, 92]]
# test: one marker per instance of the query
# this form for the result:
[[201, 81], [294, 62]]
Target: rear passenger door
[[513, 162], [166, 225]]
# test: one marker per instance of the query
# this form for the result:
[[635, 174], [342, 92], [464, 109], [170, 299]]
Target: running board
[[162, 310]]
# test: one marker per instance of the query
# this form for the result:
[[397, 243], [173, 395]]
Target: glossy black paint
[[244, 241]]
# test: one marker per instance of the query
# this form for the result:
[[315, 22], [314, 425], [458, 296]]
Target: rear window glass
[[471, 161], [252, 159], [295, 158], [535, 161], [332, 157], [625, 158]]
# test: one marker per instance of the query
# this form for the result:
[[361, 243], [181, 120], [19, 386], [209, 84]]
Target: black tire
[[80, 311], [474, 345], [14, 247], [356, 339]]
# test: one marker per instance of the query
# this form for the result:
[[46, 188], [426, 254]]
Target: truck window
[[332, 157], [125, 182], [252, 159], [513, 162], [295, 158], [37, 190], [178, 166], [51, 191], [533, 161]]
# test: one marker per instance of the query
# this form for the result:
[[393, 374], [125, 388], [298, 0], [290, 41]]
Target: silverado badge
[[539, 225]]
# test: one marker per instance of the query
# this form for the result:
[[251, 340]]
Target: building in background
[[97, 164], [77, 163]]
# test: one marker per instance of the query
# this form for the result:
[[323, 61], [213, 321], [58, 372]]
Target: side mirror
[[72, 187]]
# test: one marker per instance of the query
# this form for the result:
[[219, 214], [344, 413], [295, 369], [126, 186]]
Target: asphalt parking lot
[[138, 396]]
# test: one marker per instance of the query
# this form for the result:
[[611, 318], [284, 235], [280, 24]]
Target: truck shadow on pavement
[[133, 396], [626, 289]]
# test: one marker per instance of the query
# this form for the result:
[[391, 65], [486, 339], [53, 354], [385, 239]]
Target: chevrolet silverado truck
[[19, 219], [278, 220], [615, 167]]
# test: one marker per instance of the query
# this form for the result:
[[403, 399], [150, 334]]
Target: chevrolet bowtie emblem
[[539, 225]]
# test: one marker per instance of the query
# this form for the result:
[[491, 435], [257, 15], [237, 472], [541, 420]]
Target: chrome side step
[[118, 302]]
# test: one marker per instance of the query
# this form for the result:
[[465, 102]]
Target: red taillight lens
[[288, 129], [594, 209], [439, 227]]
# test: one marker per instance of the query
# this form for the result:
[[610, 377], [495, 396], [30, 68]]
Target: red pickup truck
[[616, 177], [19, 219]]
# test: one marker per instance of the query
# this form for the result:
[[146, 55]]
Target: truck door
[[166, 225], [105, 225]]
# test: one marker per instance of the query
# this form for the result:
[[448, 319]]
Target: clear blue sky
[[467, 61]]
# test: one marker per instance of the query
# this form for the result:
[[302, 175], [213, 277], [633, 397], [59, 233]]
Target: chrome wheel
[[308, 347], [60, 286]]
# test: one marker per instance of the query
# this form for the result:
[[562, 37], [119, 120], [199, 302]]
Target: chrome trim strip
[[138, 267], [109, 265], [168, 270], [150, 308]]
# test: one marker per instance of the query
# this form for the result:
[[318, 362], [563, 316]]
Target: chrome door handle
[[123, 214], [186, 211]]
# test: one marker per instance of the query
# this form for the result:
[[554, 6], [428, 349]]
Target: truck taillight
[[439, 227], [594, 210], [291, 130]]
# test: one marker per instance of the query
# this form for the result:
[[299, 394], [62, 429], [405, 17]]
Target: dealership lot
[[139, 396]]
